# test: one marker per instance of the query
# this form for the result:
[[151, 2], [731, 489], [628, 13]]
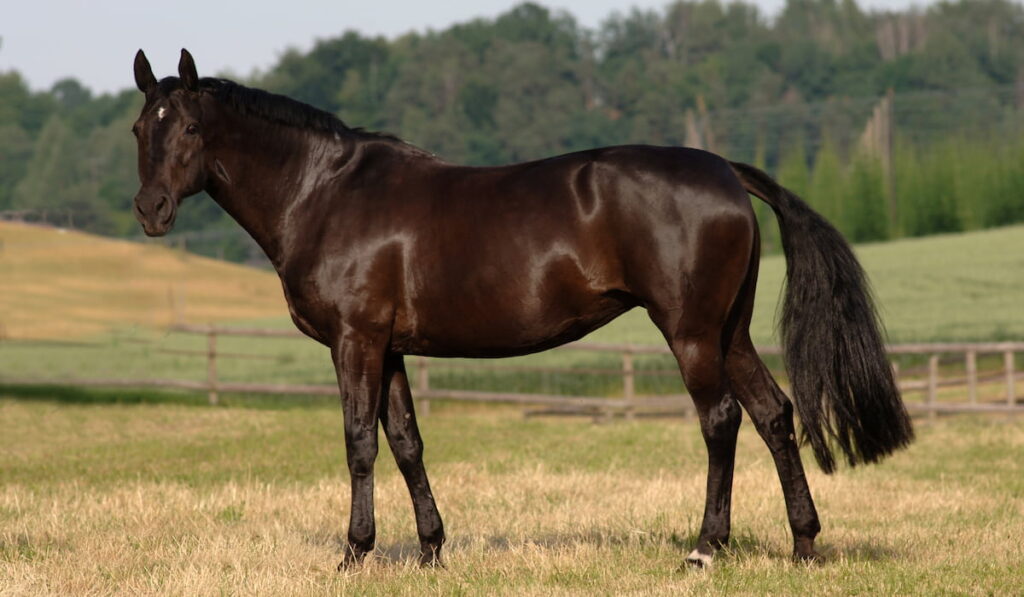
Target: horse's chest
[[307, 312], [321, 300]]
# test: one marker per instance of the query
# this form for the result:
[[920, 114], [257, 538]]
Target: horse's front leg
[[359, 361], [399, 420]]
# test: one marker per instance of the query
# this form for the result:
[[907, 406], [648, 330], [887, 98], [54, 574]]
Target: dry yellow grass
[[253, 502], [57, 283]]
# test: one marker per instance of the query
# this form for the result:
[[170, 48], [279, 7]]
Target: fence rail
[[927, 380]]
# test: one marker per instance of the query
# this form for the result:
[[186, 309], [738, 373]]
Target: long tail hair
[[842, 383]]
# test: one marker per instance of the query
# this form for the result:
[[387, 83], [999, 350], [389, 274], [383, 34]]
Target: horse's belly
[[482, 331]]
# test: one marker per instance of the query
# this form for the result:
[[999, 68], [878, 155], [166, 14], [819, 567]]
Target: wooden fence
[[927, 380], [930, 381]]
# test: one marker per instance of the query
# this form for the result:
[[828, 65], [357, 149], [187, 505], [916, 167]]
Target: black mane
[[280, 109]]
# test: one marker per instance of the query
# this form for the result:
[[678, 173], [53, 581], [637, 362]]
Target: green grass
[[173, 499], [959, 287]]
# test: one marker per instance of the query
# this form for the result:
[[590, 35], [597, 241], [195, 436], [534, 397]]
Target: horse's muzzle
[[156, 212]]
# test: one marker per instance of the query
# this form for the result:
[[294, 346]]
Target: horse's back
[[584, 195]]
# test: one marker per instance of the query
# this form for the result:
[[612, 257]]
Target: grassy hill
[[57, 284], [940, 288]]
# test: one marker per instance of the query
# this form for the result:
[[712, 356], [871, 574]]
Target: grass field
[[966, 287], [157, 499]]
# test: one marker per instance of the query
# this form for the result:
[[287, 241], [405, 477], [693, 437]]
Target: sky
[[95, 41]]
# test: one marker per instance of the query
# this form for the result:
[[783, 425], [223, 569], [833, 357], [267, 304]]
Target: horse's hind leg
[[399, 421], [772, 414], [701, 361], [697, 317], [695, 337]]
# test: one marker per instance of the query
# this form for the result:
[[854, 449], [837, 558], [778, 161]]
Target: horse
[[385, 250]]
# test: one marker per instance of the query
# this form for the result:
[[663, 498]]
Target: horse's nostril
[[161, 205]]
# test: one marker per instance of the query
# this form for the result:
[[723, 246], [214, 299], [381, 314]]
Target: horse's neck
[[259, 177]]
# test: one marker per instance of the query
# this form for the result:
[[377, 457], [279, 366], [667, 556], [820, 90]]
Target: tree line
[[796, 95]]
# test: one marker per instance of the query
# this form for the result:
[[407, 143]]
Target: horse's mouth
[[160, 228]]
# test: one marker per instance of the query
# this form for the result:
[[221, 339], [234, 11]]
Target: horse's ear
[[187, 71], [144, 78]]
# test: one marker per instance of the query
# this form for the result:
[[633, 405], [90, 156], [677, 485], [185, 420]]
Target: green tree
[[15, 153], [46, 175], [317, 77], [793, 171], [827, 180], [57, 181], [20, 106], [864, 209]]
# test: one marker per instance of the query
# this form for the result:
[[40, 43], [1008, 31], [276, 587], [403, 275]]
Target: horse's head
[[169, 132]]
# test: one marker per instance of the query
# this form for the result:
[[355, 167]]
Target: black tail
[[842, 383]]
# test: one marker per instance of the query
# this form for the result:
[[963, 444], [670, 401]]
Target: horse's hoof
[[811, 557], [431, 561], [346, 565], [352, 560], [804, 553], [430, 557], [697, 559]]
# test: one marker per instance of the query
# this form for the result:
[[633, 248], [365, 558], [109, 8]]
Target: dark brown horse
[[385, 250]]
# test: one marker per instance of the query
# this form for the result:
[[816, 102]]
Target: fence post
[[933, 384], [422, 386], [1011, 395], [972, 376], [211, 364], [628, 384]]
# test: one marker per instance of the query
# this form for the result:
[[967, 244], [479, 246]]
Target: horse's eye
[[192, 129], [135, 130]]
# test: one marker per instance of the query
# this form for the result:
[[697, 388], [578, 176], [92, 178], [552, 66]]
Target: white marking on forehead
[[161, 113]]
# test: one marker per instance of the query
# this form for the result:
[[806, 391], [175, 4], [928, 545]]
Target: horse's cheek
[[186, 156]]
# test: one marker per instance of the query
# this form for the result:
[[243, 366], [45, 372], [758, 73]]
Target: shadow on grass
[[86, 396], [860, 551], [741, 548]]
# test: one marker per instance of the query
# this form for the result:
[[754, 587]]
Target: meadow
[[138, 492], [157, 499]]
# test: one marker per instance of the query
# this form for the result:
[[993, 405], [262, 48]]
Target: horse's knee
[[361, 448], [408, 451]]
